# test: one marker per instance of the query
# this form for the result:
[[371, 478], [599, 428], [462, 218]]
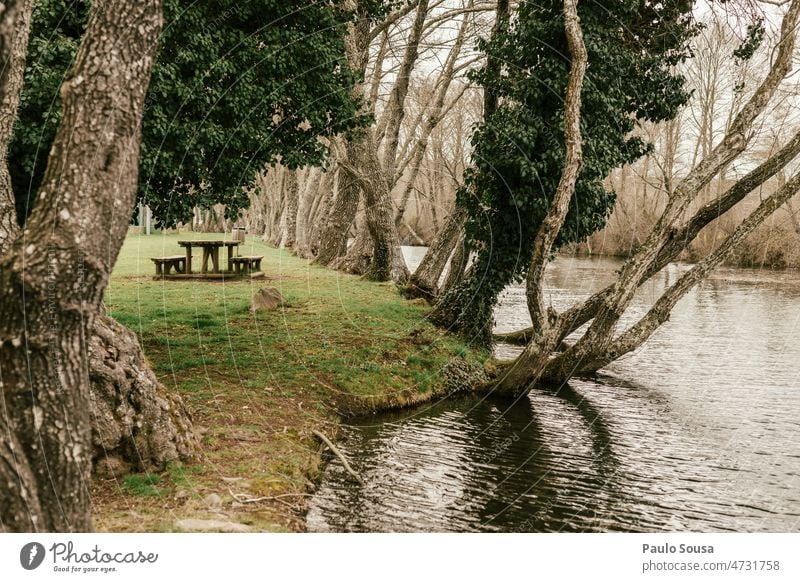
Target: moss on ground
[[258, 385]]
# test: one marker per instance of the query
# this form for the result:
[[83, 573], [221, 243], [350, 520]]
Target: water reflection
[[698, 430]]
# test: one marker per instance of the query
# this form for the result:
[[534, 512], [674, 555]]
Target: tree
[[544, 361], [53, 274], [237, 85], [372, 168], [518, 151]]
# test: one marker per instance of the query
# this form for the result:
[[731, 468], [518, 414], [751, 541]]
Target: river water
[[698, 430]]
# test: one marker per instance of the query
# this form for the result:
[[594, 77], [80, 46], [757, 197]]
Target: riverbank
[[259, 385]]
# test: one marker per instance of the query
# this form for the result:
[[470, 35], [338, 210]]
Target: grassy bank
[[258, 385]]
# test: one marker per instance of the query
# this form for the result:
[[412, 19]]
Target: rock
[[267, 299], [198, 525], [213, 501]]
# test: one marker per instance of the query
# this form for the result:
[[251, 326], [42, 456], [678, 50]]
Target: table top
[[208, 243]]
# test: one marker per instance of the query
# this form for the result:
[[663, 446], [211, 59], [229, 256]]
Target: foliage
[[752, 40], [237, 85], [518, 152]]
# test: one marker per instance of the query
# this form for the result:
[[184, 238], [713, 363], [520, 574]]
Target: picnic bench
[[165, 264], [241, 265]]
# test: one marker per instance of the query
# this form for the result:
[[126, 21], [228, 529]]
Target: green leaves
[[233, 89], [518, 152]]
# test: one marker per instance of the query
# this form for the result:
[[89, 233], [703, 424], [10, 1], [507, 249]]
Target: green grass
[[336, 330], [257, 385], [142, 485]]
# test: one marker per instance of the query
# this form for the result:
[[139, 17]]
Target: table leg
[[215, 259], [204, 267], [188, 260], [230, 256]]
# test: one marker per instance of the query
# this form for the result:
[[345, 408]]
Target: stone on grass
[[267, 299]]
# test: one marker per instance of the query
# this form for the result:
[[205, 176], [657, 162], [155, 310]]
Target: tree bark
[[358, 257], [519, 377], [425, 280], [15, 25], [333, 239], [387, 258], [53, 277], [137, 425], [292, 193], [318, 214], [309, 199]]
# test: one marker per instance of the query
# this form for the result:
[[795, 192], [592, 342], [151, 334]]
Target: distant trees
[[729, 55], [412, 60]]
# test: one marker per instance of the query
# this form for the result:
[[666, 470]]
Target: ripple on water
[[696, 431]]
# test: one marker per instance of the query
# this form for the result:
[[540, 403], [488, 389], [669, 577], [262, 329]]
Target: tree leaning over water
[[518, 150], [544, 359]]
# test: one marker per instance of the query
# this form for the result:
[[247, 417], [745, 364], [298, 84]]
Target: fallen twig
[[244, 498], [339, 454]]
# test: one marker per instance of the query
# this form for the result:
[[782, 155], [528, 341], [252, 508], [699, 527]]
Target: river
[[699, 430]]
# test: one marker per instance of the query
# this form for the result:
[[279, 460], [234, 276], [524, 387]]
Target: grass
[[143, 485], [257, 385]]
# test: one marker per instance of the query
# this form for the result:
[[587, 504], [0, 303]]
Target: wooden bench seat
[[165, 264], [245, 264]]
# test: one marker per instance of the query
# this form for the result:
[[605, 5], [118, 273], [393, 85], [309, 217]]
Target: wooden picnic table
[[210, 251]]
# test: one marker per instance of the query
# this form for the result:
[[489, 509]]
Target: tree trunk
[[309, 198], [387, 258], [425, 280], [333, 239], [15, 25], [458, 266], [395, 107], [53, 277], [598, 345], [519, 377], [318, 214], [359, 254], [137, 425], [292, 189]]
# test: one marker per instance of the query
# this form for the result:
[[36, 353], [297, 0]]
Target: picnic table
[[210, 251], [238, 266]]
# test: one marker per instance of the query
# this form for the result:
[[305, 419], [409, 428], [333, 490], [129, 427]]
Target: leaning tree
[[519, 149], [544, 360]]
